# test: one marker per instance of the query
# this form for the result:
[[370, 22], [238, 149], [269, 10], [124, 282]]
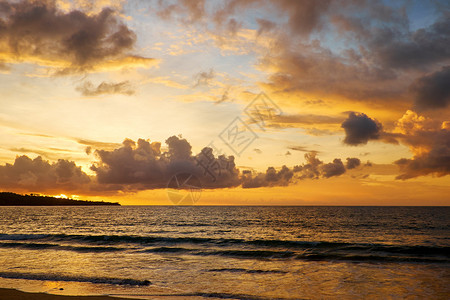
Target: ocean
[[198, 252]]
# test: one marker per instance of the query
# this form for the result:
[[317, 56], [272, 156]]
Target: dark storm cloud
[[359, 129], [39, 31], [352, 162], [88, 89], [39, 175], [433, 91]]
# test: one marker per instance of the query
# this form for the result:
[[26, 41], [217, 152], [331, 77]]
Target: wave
[[306, 255], [21, 237], [239, 270], [239, 248], [59, 277], [206, 295], [39, 246], [219, 296]]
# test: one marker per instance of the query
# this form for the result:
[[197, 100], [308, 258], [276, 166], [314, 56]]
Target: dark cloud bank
[[143, 165]]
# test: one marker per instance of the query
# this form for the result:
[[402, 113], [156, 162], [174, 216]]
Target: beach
[[11, 294]]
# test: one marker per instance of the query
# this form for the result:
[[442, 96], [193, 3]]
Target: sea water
[[202, 252]]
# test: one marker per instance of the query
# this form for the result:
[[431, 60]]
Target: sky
[[239, 102]]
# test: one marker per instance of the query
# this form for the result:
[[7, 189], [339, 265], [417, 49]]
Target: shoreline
[[14, 294]]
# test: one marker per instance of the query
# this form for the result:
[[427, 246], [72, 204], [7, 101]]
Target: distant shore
[[13, 199], [12, 294]]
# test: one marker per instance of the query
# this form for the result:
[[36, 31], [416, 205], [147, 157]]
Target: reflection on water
[[266, 252]]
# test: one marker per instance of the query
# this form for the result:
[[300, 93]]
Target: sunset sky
[[334, 102]]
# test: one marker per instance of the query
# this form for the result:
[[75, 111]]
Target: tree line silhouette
[[13, 199]]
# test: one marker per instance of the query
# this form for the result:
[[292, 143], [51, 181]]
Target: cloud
[[435, 162], [433, 91], [305, 16], [298, 148], [142, 165], [378, 60], [430, 143], [359, 129], [307, 119], [265, 26], [394, 48], [319, 132], [44, 153], [186, 10], [204, 78], [4, 68], [379, 63], [225, 96], [352, 162], [314, 168], [271, 177], [411, 123], [302, 149], [39, 175], [73, 41], [88, 89], [334, 168], [311, 168], [97, 144]]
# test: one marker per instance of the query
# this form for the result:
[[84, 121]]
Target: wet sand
[[11, 294]]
